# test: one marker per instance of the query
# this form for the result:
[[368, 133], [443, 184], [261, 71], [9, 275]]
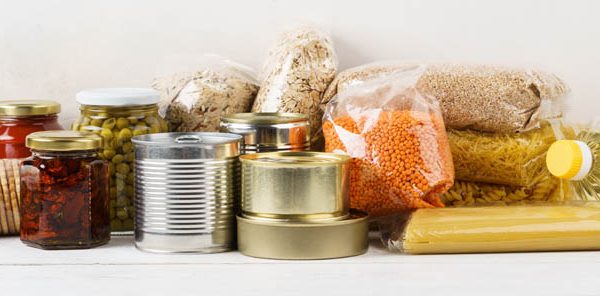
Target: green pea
[[128, 224], [109, 123], [96, 122], [106, 134], [122, 213], [123, 168], [155, 128], [129, 157], [131, 211], [122, 123], [124, 135], [127, 147], [120, 184], [132, 120], [139, 131], [115, 225], [118, 158]]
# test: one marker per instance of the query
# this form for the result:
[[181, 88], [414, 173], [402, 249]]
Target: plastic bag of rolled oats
[[478, 97], [296, 74], [194, 99]]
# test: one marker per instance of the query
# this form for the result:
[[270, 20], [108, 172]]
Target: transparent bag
[[515, 159], [479, 97], [296, 74], [396, 137], [527, 228], [201, 90]]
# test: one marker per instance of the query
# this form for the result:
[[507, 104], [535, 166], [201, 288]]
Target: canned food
[[295, 186], [268, 132], [186, 188], [303, 240]]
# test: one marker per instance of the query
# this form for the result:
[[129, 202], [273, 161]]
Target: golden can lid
[[28, 107], [264, 118], [63, 141], [303, 240], [295, 158]]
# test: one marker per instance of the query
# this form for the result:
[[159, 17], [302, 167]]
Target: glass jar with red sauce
[[19, 118], [64, 191]]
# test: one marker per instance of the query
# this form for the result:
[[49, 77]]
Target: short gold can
[[295, 186]]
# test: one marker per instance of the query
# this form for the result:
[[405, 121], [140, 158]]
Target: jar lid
[[63, 141], [28, 107], [264, 118], [118, 97]]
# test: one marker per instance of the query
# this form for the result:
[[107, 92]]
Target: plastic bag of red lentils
[[396, 137]]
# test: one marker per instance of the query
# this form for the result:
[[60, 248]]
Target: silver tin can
[[269, 132], [186, 192]]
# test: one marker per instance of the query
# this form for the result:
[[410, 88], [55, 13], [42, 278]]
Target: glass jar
[[117, 115], [19, 118], [64, 191]]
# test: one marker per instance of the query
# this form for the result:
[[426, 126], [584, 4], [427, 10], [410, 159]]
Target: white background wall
[[51, 49]]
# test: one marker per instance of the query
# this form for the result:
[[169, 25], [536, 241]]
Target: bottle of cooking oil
[[578, 161]]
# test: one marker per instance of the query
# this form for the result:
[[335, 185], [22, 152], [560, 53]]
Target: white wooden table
[[119, 269]]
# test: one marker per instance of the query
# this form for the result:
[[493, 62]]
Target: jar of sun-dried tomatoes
[[64, 191], [19, 118]]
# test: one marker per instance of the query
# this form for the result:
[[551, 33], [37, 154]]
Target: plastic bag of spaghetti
[[201, 90], [567, 226], [478, 97], [298, 70], [515, 159], [396, 138]]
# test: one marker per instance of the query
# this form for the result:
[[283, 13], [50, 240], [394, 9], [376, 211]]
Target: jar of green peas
[[118, 114]]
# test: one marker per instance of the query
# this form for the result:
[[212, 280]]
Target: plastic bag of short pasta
[[479, 97], [514, 159], [296, 74], [396, 138], [196, 91]]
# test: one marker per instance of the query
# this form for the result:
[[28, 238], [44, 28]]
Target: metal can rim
[[318, 157], [183, 139], [264, 118]]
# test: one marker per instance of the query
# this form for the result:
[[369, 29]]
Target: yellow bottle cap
[[568, 159]]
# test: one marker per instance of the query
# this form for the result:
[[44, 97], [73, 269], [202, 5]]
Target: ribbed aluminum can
[[269, 132], [186, 191]]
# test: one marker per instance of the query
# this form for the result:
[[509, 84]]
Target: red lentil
[[401, 160]]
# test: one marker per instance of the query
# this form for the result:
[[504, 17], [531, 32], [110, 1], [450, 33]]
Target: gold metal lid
[[264, 118], [295, 158], [28, 107], [303, 241], [63, 141]]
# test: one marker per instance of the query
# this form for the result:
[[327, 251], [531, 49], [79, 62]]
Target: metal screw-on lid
[[118, 97], [28, 107], [63, 141]]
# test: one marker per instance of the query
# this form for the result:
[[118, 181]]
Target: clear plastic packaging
[[396, 138], [548, 189], [296, 74], [478, 97], [576, 161], [195, 97], [508, 159], [531, 228]]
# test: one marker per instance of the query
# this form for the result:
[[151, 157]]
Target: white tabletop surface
[[119, 269]]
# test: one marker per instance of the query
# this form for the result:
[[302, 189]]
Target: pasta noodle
[[509, 159], [548, 189]]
